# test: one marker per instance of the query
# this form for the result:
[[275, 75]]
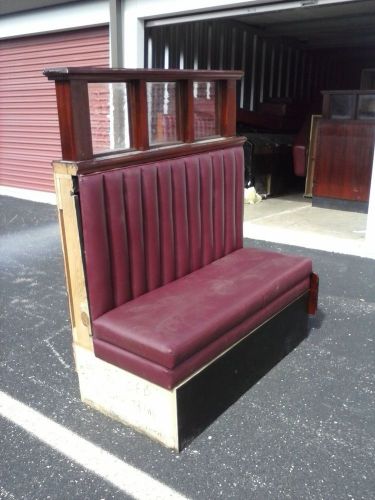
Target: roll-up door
[[29, 131]]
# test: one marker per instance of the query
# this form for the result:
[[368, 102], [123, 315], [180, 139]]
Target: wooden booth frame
[[172, 417]]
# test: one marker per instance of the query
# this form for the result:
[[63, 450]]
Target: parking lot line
[[127, 478]]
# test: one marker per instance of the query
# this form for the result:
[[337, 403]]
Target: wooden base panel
[[175, 417], [123, 396], [210, 392]]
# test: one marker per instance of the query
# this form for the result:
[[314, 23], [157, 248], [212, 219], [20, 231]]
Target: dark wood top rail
[[133, 158], [151, 75], [72, 93]]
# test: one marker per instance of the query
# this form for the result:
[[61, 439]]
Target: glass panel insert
[[366, 107], [205, 120], [342, 106], [109, 116], [161, 112]]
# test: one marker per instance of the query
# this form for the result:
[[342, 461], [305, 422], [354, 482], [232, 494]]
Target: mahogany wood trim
[[153, 75], [74, 120], [138, 115], [133, 158], [74, 111], [64, 108], [185, 110], [227, 107]]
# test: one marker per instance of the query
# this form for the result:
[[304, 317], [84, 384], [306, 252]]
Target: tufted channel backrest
[[147, 225]]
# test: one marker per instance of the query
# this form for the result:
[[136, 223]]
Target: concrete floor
[[292, 220]]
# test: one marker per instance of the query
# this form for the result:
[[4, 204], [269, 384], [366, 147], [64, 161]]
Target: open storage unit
[[289, 52]]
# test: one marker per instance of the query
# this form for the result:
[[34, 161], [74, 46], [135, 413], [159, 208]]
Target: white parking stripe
[[132, 481]]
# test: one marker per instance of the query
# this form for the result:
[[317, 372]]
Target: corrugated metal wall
[[29, 132], [273, 67]]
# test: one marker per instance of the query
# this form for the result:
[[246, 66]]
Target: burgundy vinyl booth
[[170, 285]]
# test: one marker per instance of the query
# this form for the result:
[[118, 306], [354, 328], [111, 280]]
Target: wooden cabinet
[[344, 151]]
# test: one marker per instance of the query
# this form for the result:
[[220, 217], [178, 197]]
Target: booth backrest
[[147, 225]]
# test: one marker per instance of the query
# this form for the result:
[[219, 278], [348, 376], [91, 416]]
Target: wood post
[[74, 120], [227, 108], [185, 111], [64, 175], [138, 115]]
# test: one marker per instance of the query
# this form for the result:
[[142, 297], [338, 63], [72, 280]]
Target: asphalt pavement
[[306, 430]]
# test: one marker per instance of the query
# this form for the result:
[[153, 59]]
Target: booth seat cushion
[[170, 378], [171, 324]]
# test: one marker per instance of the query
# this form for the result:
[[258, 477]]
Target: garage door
[[29, 131]]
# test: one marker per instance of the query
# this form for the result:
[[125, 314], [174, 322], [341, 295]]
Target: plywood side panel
[[71, 245]]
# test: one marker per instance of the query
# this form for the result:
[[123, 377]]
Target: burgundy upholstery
[[170, 378], [186, 315], [170, 286], [175, 329], [148, 225]]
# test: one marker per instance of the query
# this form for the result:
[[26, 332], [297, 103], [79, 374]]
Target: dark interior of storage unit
[[288, 57]]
